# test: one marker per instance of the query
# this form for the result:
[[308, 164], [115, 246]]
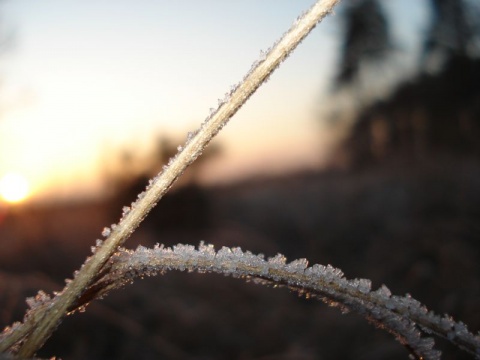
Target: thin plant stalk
[[50, 317]]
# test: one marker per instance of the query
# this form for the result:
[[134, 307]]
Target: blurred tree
[[133, 166], [366, 38], [453, 32], [186, 208], [436, 112]]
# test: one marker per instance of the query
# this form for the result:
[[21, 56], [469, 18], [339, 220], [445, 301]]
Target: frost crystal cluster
[[111, 267], [402, 316]]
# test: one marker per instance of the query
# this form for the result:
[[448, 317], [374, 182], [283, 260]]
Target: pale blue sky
[[93, 75]]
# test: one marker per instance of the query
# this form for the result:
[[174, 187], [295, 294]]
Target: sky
[[83, 79]]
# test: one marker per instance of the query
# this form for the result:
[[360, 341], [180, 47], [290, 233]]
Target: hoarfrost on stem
[[106, 232], [399, 315], [37, 300]]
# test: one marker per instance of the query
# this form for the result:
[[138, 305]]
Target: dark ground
[[414, 227]]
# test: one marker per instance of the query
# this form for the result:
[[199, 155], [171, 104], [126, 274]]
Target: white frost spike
[[384, 292], [141, 195], [38, 299], [224, 252], [237, 252], [315, 271], [158, 247], [106, 232], [263, 55], [31, 302], [227, 260], [184, 251], [125, 210], [142, 249], [233, 88], [334, 271], [297, 266], [208, 251], [191, 135], [278, 260], [364, 285]]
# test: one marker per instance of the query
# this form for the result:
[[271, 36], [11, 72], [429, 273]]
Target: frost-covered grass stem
[[49, 317], [404, 317]]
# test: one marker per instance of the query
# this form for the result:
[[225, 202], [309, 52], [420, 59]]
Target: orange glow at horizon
[[14, 188], [84, 95]]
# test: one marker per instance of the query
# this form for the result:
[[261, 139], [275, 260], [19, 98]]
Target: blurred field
[[411, 226], [399, 204]]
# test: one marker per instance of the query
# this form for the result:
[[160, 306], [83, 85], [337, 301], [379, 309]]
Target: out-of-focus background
[[361, 151]]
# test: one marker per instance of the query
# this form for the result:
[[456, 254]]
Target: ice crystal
[[297, 266], [315, 271], [94, 248], [106, 232], [207, 251], [399, 314], [141, 195], [39, 299], [263, 55], [191, 135], [363, 285], [233, 88], [277, 261], [383, 292]]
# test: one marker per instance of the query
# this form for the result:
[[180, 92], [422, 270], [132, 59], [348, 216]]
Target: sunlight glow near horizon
[[91, 76], [13, 188]]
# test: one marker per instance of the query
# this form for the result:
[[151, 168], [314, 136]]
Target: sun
[[13, 188]]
